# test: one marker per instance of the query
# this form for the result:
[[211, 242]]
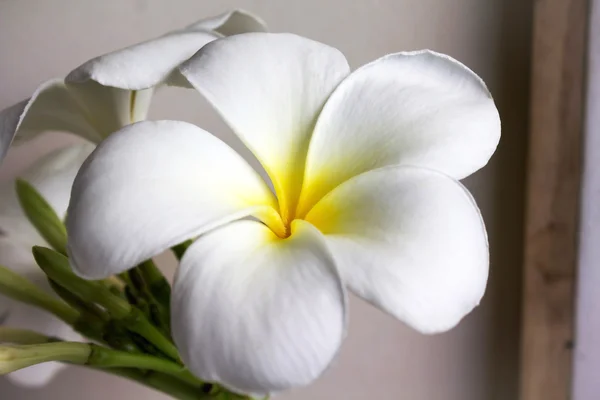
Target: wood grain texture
[[553, 185]]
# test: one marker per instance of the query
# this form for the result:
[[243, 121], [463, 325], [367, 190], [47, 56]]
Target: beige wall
[[382, 359]]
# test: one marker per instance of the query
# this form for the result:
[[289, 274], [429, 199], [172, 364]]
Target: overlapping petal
[[270, 89], [411, 241], [256, 312], [150, 63], [153, 185], [143, 65], [418, 108], [115, 89]]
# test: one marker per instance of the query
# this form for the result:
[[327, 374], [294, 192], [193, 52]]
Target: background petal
[[51, 108], [150, 63], [418, 108], [255, 312], [108, 109], [9, 122], [142, 65], [409, 240], [151, 186], [53, 177], [269, 88]]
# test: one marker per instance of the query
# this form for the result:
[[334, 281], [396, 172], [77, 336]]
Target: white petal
[[51, 108], [9, 122], [142, 65], [108, 109], [269, 88], [150, 63], [409, 240], [255, 312], [420, 108], [153, 185], [53, 177], [231, 23]]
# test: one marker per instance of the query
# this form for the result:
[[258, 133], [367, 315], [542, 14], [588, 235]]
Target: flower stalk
[[56, 266], [173, 387], [158, 286], [19, 288], [13, 358], [153, 294], [22, 336]]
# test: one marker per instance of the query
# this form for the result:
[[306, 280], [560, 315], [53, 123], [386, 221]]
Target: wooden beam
[[553, 185]]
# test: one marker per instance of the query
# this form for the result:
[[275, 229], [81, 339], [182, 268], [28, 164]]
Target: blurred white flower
[[114, 90], [365, 168], [52, 176]]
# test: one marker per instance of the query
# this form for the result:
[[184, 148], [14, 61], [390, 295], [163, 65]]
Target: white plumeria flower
[[365, 168], [111, 91], [53, 177]]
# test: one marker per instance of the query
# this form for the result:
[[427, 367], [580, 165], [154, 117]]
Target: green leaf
[[42, 216]]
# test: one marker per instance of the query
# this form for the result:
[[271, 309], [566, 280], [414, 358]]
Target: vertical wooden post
[[553, 185]]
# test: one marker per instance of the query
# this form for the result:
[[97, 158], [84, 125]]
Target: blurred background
[[381, 359]]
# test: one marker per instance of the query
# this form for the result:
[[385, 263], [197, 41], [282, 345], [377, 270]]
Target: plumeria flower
[[52, 176], [364, 167], [113, 90]]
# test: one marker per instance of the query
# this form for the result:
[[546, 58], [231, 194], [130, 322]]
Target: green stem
[[161, 382], [16, 357], [13, 358], [124, 277], [158, 285], [19, 288], [22, 336], [138, 323], [108, 358], [90, 310], [56, 266], [155, 291]]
